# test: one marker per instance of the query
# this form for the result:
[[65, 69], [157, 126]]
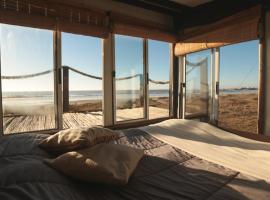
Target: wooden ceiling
[[191, 3], [190, 13]]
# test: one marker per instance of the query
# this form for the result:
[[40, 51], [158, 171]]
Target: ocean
[[44, 96], [27, 102], [42, 102], [79, 95]]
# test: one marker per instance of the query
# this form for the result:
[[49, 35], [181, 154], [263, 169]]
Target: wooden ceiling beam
[[165, 7]]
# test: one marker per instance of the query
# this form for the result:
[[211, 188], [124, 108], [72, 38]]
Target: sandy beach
[[96, 105], [236, 111], [239, 112]]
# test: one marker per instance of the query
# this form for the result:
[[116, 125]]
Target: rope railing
[[197, 64], [128, 77], [79, 72], [82, 73], [27, 75], [192, 65], [159, 82]]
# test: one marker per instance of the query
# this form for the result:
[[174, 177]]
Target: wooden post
[[1, 103], [65, 89], [263, 47], [108, 81], [145, 89], [58, 80], [141, 90]]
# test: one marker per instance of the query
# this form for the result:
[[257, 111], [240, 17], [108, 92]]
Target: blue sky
[[129, 61], [158, 63], [239, 65], [27, 50], [85, 54]]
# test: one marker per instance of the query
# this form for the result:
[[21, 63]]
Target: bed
[[165, 172]]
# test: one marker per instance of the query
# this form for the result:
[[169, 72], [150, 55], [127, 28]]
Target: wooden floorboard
[[73, 120]]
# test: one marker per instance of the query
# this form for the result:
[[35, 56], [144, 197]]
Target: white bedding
[[215, 145]]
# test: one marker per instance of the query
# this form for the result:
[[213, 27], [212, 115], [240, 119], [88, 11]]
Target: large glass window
[[198, 70], [27, 79], [159, 76], [82, 80], [238, 98], [129, 78]]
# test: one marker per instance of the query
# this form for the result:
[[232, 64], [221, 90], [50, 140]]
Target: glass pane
[[28, 101], [159, 76], [198, 66], [82, 95], [129, 78], [238, 99]]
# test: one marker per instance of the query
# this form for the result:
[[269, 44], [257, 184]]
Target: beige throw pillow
[[72, 139], [104, 163]]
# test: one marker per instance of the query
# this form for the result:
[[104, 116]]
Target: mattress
[[165, 172]]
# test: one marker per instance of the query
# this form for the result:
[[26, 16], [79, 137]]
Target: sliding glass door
[[82, 80], [27, 75], [159, 79], [129, 78]]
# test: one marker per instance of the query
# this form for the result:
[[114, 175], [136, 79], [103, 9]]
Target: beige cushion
[[104, 163], [72, 139]]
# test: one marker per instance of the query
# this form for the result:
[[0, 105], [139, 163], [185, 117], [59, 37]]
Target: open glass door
[[197, 80], [129, 80]]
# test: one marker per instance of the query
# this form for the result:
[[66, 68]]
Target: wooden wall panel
[[144, 32], [81, 20], [241, 27]]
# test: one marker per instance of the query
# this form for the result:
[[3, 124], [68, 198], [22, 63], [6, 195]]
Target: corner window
[[226, 94], [238, 97]]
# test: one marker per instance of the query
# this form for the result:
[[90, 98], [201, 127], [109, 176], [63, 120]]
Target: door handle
[[217, 88], [183, 85]]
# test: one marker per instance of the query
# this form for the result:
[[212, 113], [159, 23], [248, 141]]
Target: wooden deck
[[28, 123]]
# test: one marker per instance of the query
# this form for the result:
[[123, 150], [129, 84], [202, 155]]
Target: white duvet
[[213, 144]]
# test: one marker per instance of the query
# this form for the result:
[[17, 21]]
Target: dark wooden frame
[[262, 72], [174, 79]]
